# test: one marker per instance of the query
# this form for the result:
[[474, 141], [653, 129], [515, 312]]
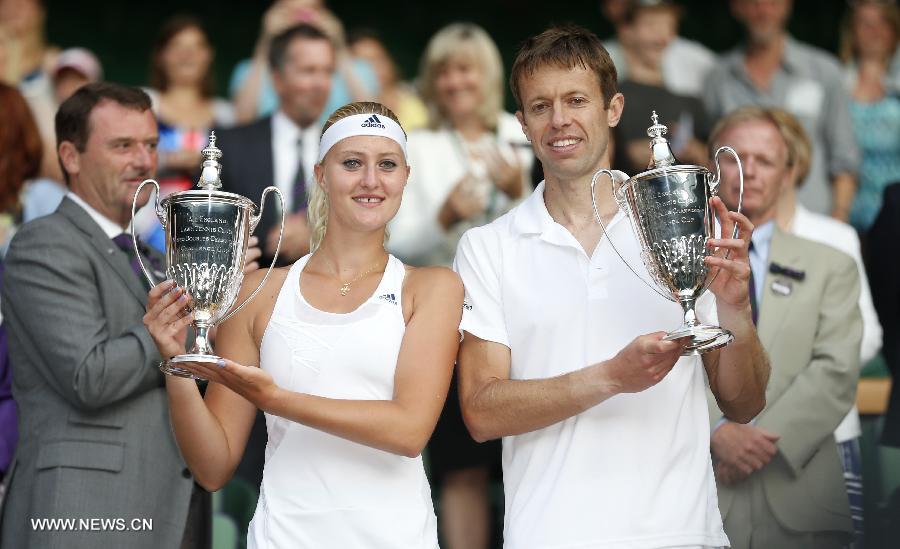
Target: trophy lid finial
[[657, 129], [209, 176], [660, 152], [211, 152]]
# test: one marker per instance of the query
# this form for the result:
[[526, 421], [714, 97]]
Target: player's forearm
[[389, 425], [199, 434], [739, 377], [505, 407]]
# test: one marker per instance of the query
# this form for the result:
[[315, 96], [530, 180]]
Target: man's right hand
[[642, 363], [295, 243], [743, 448]]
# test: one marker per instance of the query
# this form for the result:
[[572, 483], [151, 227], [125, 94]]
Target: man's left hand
[[732, 283], [742, 449]]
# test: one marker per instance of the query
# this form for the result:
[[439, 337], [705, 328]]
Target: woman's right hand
[[167, 318]]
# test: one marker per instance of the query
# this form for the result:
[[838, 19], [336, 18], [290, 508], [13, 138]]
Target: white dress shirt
[[286, 154], [110, 227]]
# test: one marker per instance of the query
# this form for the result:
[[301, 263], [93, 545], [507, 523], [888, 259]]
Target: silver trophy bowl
[[207, 233], [668, 207]]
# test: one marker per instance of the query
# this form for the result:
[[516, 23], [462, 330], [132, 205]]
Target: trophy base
[[703, 338], [168, 366]]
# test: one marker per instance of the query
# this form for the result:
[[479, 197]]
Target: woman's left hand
[[732, 283], [253, 383]]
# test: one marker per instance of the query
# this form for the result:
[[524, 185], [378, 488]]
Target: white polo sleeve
[[478, 264]]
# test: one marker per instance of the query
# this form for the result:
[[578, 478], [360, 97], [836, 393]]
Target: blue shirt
[[759, 256], [340, 95]]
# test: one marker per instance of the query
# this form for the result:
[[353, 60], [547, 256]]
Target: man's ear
[[70, 157], [521, 118], [614, 112]]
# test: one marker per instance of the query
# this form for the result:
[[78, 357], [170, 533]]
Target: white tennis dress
[[320, 491]]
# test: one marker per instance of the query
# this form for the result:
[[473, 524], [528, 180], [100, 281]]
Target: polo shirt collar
[[532, 217]]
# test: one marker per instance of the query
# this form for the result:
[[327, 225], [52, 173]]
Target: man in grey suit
[[779, 477], [96, 443]]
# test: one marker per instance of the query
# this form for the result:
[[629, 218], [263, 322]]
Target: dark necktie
[[754, 307], [298, 192], [123, 241]]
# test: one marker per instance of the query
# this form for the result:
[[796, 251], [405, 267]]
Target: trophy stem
[[201, 340], [702, 338], [201, 352]]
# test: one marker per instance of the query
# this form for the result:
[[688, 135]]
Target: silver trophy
[[207, 231], [668, 207]]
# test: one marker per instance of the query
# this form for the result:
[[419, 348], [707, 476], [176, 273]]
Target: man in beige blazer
[[779, 477]]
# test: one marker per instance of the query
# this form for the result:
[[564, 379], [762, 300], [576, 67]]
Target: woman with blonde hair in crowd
[[869, 38], [473, 160], [355, 352], [471, 166]]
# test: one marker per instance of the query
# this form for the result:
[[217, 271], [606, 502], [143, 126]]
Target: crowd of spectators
[[470, 159]]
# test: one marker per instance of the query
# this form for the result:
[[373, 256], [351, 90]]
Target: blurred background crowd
[[266, 75]]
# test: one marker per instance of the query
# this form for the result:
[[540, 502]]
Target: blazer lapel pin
[[793, 274], [783, 284]]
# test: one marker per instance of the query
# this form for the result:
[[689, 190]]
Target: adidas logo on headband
[[361, 124], [372, 122]]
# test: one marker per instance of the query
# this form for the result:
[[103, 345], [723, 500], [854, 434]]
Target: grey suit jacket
[[95, 437], [812, 336]]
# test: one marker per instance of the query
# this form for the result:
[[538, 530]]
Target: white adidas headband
[[361, 124]]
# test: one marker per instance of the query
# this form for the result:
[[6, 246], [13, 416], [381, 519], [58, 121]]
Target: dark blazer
[[248, 167], [95, 435], [883, 268]]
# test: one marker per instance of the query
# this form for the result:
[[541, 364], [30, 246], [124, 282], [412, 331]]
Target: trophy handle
[[159, 214], [714, 183], [624, 206], [714, 190], [254, 221]]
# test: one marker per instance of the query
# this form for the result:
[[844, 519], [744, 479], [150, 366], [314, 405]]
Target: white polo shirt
[[633, 472]]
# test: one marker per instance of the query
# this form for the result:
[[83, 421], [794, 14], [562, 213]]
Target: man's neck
[[766, 51], [301, 124], [760, 219], [762, 59], [643, 73], [569, 203], [785, 209], [108, 224]]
